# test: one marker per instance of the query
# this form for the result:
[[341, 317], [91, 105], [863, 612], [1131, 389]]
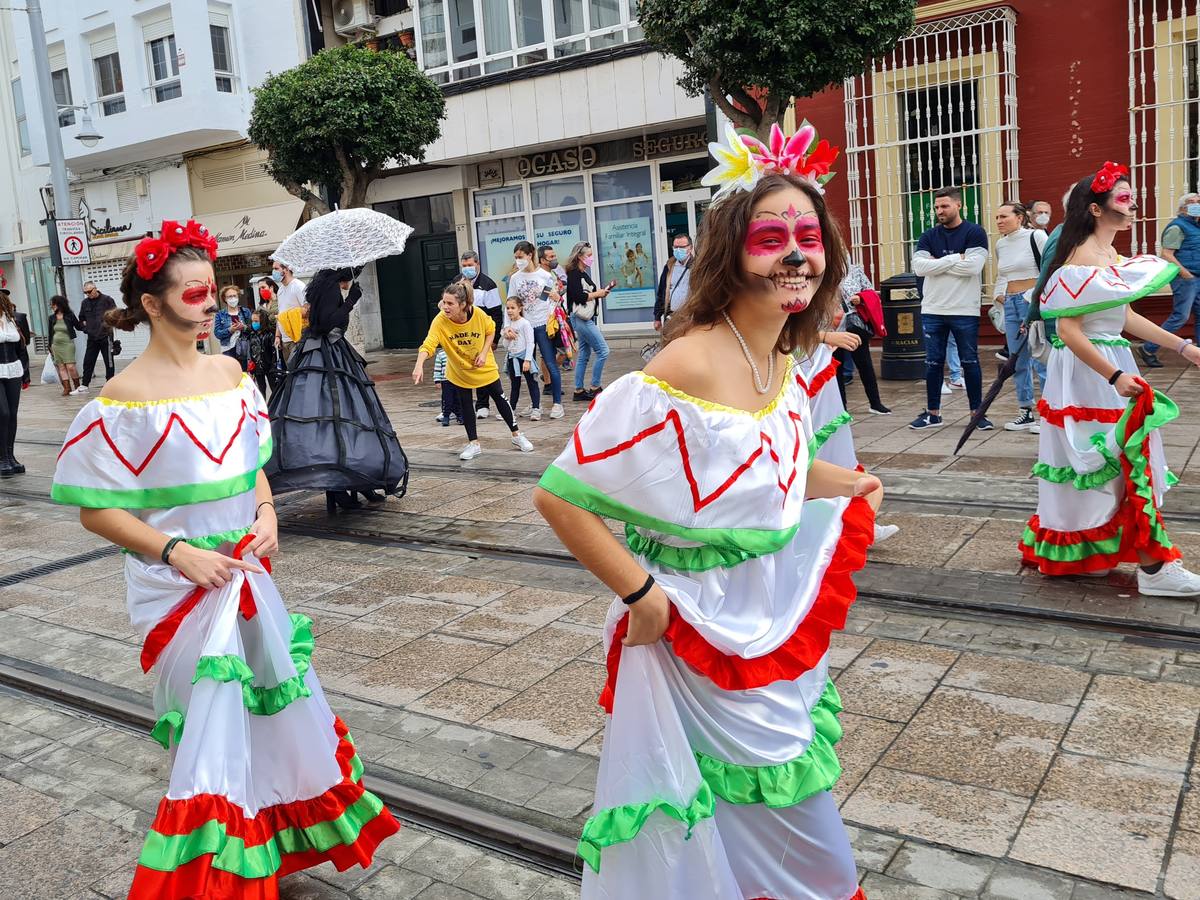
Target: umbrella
[[1005, 373], [342, 239]]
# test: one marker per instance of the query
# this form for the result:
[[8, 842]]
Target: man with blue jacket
[[1180, 244]]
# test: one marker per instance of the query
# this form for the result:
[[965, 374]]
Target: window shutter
[[104, 46], [218, 18], [157, 25], [58, 57], [127, 195]]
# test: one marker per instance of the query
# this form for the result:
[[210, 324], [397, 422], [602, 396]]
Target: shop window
[[621, 184], [625, 253], [683, 174], [22, 121], [557, 192], [500, 202], [562, 230], [496, 239]]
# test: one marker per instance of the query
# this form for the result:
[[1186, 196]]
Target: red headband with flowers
[[1108, 176], [152, 252]]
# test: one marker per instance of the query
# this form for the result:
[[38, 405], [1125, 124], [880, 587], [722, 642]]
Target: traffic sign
[[73, 242]]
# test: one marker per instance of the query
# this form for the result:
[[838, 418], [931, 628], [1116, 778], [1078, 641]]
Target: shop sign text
[[670, 145], [572, 159]]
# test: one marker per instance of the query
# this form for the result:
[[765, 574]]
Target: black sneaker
[[984, 424], [583, 397], [1024, 422], [925, 420], [880, 410], [1149, 360]]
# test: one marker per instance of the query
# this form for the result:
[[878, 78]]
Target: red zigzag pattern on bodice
[[1109, 274], [174, 420], [698, 501]]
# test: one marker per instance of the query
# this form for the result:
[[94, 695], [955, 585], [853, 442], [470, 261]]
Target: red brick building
[[1014, 101]]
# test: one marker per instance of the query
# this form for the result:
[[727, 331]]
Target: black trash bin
[[904, 347]]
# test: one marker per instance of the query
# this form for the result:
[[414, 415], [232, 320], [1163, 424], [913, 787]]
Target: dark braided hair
[[133, 285]]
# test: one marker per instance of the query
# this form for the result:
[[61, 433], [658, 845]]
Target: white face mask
[[522, 263], [231, 301], [1042, 218]]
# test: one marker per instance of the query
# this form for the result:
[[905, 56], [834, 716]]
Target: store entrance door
[[682, 213], [410, 286]]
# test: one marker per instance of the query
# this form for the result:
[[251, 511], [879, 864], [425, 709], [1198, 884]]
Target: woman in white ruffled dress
[[718, 756], [167, 463], [1101, 469]]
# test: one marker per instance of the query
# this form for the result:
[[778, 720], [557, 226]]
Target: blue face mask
[[1193, 209], [469, 271], [256, 325], [680, 254], [277, 277]]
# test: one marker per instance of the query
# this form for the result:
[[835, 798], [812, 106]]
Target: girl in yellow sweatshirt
[[467, 335]]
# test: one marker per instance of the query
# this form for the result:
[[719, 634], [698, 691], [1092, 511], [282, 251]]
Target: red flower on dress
[[1110, 173], [151, 254]]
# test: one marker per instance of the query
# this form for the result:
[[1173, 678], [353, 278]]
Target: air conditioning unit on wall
[[352, 17]]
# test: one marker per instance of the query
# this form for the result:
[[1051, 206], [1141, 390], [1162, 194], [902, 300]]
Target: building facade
[[168, 87]]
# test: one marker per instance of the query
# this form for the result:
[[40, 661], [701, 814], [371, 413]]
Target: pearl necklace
[[758, 382]]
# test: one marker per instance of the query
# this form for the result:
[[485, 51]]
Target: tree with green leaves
[[754, 56], [338, 118]]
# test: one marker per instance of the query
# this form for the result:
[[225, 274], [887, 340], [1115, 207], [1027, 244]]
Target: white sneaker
[[519, 440], [535, 415], [1035, 428], [961, 385], [1172, 580], [883, 532], [946, 389], [470, 452], [524, 411], [556, 411], [82, 389], [481, 413]]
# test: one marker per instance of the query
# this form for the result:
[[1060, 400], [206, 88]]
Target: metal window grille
[[940, 110], [1164, 111]]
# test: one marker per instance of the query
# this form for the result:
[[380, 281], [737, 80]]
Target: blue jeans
[[545, 349], [938, 331], [952, 361], [1186, 291], [588, 338], [1015, 309]]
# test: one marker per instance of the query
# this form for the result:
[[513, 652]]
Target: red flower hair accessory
[[152, 252], [1109, 174]]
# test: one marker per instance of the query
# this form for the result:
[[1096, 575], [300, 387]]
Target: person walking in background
[[1180, 244], [231, 324], [62, 327], [674, 282], [449, 391], [268, 302], [99, 336], [1040, 212], [22, 347], [862, 316], [538, 289], [291, 295], [518, 341], [12, 373], [948, 264], [260, 347], [583, 301], [1018, 261], [487, 297], [466, 333]]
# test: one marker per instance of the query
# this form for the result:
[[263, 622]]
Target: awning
[[257, 230]]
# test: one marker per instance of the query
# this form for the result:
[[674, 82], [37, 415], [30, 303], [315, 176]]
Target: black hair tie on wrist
[[640, 592], [166, 551], [1115, 375]]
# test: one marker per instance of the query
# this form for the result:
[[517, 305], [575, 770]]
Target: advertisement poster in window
[[498, 256], [624, 247], [562, 238]]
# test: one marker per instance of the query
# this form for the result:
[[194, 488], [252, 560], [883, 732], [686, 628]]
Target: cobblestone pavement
[[985, 756]]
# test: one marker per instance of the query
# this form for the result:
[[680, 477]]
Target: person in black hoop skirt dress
[[330, 430]]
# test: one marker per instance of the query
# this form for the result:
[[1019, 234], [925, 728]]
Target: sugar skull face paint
[[196, 292], [190, 306], [785, 248]]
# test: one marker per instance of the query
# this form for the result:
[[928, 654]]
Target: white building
[[561, 125], [167, 85]]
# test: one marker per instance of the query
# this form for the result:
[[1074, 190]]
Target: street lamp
[[88, 135]]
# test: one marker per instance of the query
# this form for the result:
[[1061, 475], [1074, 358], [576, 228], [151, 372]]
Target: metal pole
[[72, 277]]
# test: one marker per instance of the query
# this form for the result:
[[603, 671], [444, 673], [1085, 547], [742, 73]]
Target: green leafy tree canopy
[[753, 56], [341, 116]]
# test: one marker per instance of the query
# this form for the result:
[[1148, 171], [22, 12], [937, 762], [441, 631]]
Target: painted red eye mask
[[1124, 197], [199, 293], [768, 237]]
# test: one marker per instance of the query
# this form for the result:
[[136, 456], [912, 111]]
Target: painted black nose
[[793, 259]]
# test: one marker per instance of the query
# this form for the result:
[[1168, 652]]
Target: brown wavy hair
[[462, 292], [717, 275], [133, 285]]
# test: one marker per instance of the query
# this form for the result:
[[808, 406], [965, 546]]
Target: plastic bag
[[49, 372]]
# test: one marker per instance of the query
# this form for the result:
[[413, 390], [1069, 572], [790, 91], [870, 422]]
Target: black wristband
[[640, 592], [1115, 375], [264, 503], [165, 556]]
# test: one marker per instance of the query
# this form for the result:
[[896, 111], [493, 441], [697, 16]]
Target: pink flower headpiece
[[152, 252], [1109, 174], [743, 160]]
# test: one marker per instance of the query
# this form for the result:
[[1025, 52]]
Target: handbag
[[116, 348], [1038, 342], [996, 314], [855, 321], [585, 310]]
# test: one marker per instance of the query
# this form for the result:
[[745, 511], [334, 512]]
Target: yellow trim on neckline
[[108, 401], [720, 407]]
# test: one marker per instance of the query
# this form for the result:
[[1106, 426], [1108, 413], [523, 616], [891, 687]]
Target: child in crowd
[[466, 333], [518, 341], [261, 359], [449, 392]]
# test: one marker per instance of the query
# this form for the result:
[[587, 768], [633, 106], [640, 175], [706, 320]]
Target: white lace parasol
[[342, 238]]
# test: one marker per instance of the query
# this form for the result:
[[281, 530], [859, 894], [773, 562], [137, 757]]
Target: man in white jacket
[[948, 264]]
